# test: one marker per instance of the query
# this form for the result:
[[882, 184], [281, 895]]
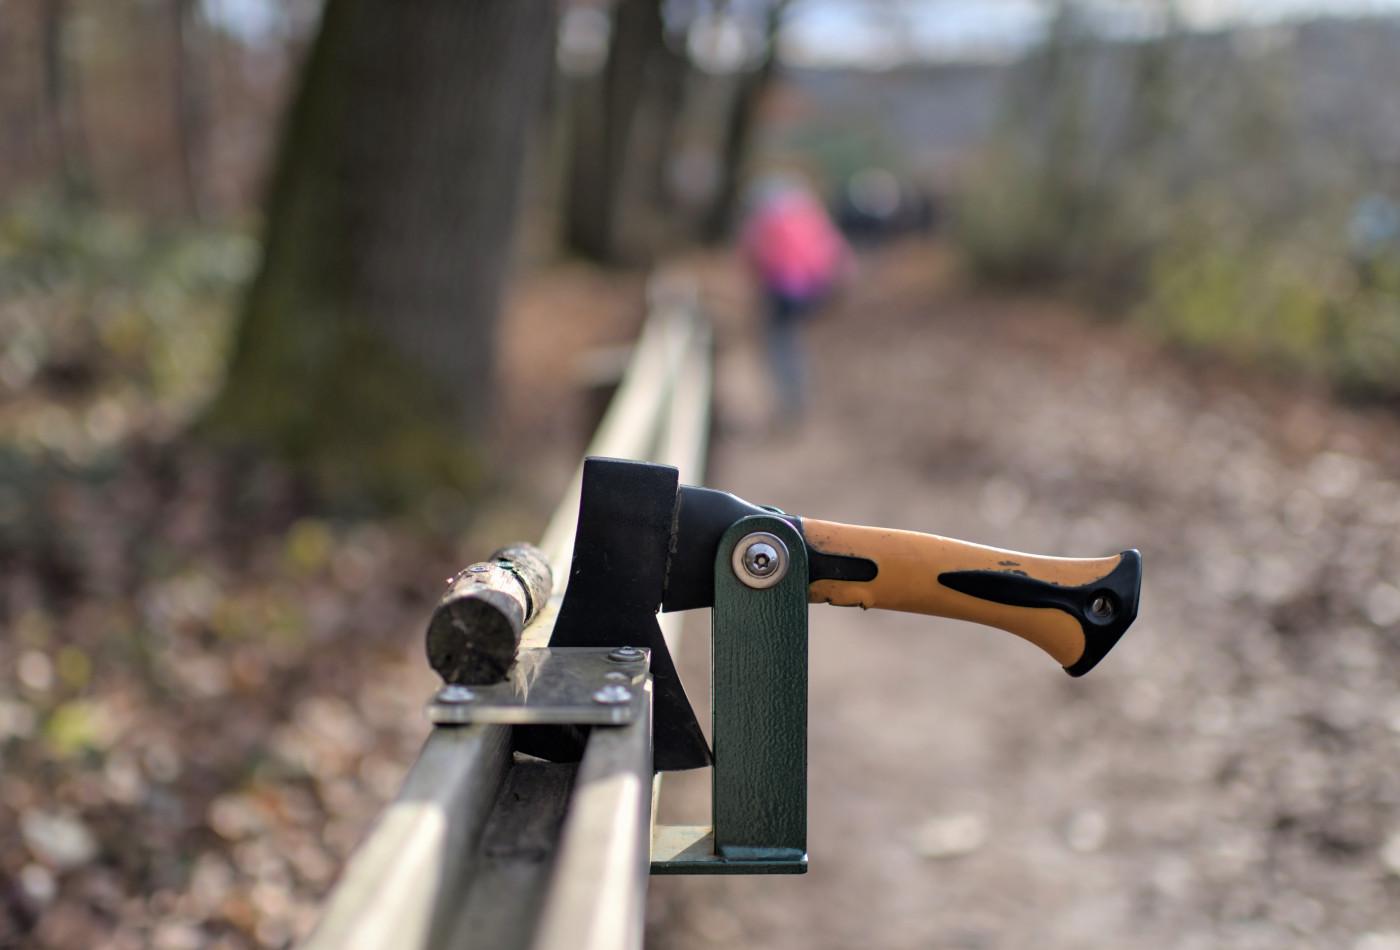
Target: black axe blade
[[626, 525]]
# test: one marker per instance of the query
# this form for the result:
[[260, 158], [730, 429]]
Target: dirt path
[[1227, 778]]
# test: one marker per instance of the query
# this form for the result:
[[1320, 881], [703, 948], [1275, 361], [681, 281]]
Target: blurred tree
[[61, 97], [1034, 199], [1152, 89], [738, 131], [191, 87], [365, 351], [605, 110], [666, 85]]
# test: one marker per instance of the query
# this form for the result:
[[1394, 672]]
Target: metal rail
[[478, 850]]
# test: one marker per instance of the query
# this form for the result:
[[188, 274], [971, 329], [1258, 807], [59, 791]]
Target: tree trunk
[[190, 84], [365, 351], [669, 78], [603, 116], [60, 105], [587, 205], [738, 133]]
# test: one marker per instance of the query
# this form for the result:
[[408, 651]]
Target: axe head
[[622, 546]]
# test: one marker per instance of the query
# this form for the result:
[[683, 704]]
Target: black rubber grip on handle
[[1105, 608]]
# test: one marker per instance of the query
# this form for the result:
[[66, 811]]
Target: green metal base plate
[[690, 849]]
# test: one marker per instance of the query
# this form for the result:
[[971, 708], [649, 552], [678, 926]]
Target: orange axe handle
[[1074, 609]]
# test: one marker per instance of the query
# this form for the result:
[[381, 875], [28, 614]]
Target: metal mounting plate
[[583, 686], [690, 849]]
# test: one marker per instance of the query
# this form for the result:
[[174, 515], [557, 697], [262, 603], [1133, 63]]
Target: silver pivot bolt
[[625, 655], [760, 560]]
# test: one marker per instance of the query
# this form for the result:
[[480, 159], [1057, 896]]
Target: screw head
[[453, 694], [760, 559], [626, 654], [479, 568], [614, 694], [1103, 607]]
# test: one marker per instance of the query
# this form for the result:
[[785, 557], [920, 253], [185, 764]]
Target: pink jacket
[[793, 246]]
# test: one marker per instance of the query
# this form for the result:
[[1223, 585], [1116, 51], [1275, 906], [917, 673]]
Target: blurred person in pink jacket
[[797, 257]]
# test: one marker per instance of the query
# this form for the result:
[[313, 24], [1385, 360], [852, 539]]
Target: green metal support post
[[759, 699]]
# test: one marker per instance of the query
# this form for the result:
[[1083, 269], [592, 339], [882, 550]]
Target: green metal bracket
[[758, 651]]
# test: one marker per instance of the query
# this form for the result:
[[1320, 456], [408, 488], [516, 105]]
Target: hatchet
[[646, 543]]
